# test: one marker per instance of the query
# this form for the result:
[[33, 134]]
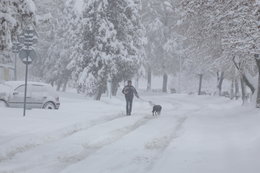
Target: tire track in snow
[[10, 152], [137, 157], [115, 136], [153, 147], [91, 147], [160, 144]]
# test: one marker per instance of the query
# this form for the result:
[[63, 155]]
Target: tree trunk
[[246, 81], [243, 90], [149, 79], [109, 88], [58, 85], [236, 89], [52, 83], [137, 83], [64, 87], [232, 95], [258, 87], [115, 87], [220, 82], [200, 83], [179, 76], [165, 82], [99, 93]]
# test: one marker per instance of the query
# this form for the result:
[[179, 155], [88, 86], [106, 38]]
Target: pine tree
[[126, 18], [99, 46], [112, 44]]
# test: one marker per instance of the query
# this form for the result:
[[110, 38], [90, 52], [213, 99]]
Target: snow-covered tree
[[126, 18], [163, 41], [61, 36], [236, 25], [68, 38], [14, 16], [112, 44], [49, 14], [100, 46]]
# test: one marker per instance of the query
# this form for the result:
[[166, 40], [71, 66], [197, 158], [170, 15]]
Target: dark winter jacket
[[129, 92]]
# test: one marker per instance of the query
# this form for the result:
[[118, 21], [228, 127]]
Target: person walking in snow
[[129, 91]]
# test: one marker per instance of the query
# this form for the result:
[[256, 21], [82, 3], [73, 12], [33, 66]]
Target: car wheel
[[49, 105], [2, 104]]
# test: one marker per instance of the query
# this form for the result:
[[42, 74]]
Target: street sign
[[27, 53], [31, 54], [28, 37]]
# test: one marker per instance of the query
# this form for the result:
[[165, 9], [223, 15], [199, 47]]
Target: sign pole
[[27, 54]]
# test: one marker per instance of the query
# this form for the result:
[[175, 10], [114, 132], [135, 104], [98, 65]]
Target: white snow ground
[[193, 135]]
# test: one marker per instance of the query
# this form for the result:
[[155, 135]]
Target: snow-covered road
[[193, 134]]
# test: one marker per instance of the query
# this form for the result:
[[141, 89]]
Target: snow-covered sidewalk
[[193, 134]]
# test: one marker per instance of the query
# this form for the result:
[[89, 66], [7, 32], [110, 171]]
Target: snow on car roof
[[15, 84], [4, 88]]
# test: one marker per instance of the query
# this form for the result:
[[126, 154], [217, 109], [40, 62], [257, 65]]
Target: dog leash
[[150, 102], [143, 99]]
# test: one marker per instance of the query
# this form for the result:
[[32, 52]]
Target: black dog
[[157, 109]]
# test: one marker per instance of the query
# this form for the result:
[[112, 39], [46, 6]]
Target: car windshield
[[20, 88]]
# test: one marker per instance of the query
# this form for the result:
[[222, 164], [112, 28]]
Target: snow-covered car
[[39, 95]]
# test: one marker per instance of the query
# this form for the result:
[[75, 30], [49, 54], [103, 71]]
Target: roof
[[15, 84]]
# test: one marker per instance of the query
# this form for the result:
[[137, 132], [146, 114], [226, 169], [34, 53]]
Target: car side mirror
[[15, 93]]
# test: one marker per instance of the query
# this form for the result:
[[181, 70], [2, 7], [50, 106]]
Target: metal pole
[[25, 87]]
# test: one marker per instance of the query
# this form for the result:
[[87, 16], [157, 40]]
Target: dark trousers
[[129, 103]]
